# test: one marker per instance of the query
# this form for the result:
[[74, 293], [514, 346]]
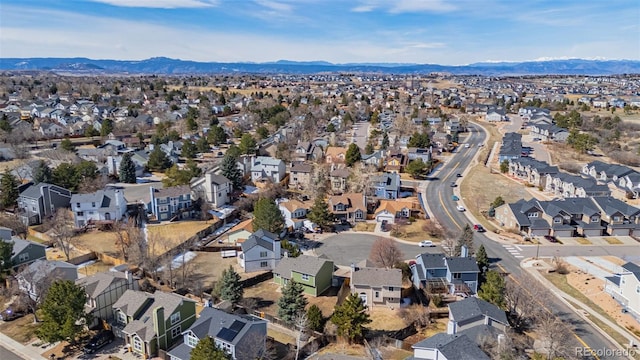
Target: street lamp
[[537, 249]]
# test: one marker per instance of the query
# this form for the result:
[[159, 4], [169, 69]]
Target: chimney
[[464, 251], [129, 277]]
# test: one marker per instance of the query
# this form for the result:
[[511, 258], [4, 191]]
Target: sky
[[448, 32]]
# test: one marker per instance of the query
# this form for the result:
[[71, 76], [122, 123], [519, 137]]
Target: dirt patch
[[613, 240], [343, 348], [99, 241], [177, 233], [392, 353], [266, 294], [22, 330], [96, 267], [383, 318], [583, 241], [281, 336], [58, 255], [437, 326], [411, 232], [208, 266], [364, 226]]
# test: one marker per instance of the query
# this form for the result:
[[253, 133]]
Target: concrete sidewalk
[[27, 352]]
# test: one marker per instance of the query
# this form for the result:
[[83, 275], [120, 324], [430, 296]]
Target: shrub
[[437, 300]]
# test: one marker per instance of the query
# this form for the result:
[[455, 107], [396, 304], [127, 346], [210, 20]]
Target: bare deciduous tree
[[62, 230], [129, 239], [34, 283], [301, 323], [385, 253], [14, 223]]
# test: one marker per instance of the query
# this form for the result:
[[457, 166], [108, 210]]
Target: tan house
[[377, 286], [391, 210], [395, 162], [338, 178], [240, 232], [348, 207], [335, 155], [300, 176]]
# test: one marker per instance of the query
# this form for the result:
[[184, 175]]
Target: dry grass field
[[412, 232], [178, 232], [98, 241], [386, 319], [22, 330]]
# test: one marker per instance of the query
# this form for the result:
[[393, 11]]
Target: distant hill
[[162, 65]]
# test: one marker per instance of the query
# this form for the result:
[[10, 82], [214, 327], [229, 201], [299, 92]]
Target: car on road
[[455, 198], [453, 184], [98, 341], [551, 238], [479, 228], [426, 243], [536, 139], [458, 175], [10, 314], [466, 145], [461, 208]]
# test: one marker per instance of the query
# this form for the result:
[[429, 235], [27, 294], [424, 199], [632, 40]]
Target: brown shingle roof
[[377, 277]]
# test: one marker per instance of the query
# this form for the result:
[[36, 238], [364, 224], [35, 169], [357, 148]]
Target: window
[[175, 332], [557, 220], [80, 213], [77, 204], [617, 218], [175, 318], [122, 318], [305, 277], [359, 215], [93, 204], [532, 215], [264, 264], [594, 218], [192, 340], [137, 344], [377, 294], [23, 257], [263, 254], [638, 289], [390, 288], [456, 275]]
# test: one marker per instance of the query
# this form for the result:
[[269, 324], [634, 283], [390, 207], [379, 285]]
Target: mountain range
[[162, 65]]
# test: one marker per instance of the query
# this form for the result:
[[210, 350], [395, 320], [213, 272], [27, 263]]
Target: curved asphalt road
[[438, 195]]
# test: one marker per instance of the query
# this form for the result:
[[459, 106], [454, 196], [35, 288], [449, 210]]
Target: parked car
[[454, 198], [478, 228], [460, 208], [426, 243], [551, 238], [10, 314], [453, 184], [98, 341]]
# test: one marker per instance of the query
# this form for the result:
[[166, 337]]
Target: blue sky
[[448, 32]]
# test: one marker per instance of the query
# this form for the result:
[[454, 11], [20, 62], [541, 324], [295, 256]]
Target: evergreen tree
[[67, 145], [466, 239], [351, 318], [206, 349], [504, 166], [9, 187], [5, 125], [233, 151], [202, 145], [158, 160], [353, 154], [230, 170], [107, 127], [482, 259], [65, 175], [267, 216], [331, 128], [419, 140], [385, 141], [292, 302], [62, 310], [498, 201], [188, 150], [217, 135], [369, 148], [417, 168], [319, 213], [230, 286], [6, 252], [127, 171], [42, 173], [315, 318], [492, 290], [247, 144], [191, 124]]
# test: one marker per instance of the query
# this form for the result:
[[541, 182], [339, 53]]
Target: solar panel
[[227, 334], [236, 326]]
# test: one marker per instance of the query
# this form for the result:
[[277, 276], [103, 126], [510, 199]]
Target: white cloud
[[363, 8], [160, 4], [402, 6], [275, 6]]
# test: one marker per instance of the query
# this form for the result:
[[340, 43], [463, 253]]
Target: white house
[[101, 206], [260, 252], [41, 273], [625, 287], [294, 213], [213, 188], [267, 168]]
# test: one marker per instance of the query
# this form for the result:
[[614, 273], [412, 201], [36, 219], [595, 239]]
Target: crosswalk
[[514, 250]]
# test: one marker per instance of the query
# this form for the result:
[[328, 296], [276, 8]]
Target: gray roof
[[302, 264], [173, 191], [377, 277], [472, 308], [301, 167], [19, 244], [455, 347], [260, 161], [633, 268], [481, 333], [612, 205], [219, 179], [35, 192], [433, 261], [261, 238], [95, 284], [43, 267], [462, 264], [219, 324], [105, 198]]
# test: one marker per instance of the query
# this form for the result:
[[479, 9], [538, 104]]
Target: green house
[[149, 322], [314, 273]]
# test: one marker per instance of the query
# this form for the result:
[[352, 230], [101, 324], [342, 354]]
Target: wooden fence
[[83, 258]]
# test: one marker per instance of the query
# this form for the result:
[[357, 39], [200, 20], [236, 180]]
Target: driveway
[[350, 248], [361, 131]]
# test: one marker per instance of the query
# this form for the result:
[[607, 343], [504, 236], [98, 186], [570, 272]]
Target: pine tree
[[107, 127], [230, 286], [267, 216], [127, 171], [353, 155], [315, 318], [188, 149], [466, 239], [67, 145], [247, 144], [492, 290], [206, 349], [351, 318], [62, 310], [6, 253], [158, 160], [319, 213], [230, 170], [217, 135], [369, 149], [482, 259], [42, 173], [292, 302], [385, 141], [9, 187]]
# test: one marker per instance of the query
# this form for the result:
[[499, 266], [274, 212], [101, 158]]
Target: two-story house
[[42, 273], [40, 201], [103, 290], [523, 216], [348, 207], [335, 155], [458, 274], [625, 287], [470, 312], [24, 251], [264, 168], [260, 252], [307, 151], [390, 210], [419, 153], [294, 213], [313, 273], [385, 185], [377, 286], [241, 336], [395, 161], [102, 206], [339, 180], [170, 203], [150, 322], [621, 219], [213, 188], [300, 176]]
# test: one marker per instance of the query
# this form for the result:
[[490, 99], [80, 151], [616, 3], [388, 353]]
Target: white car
[[466, 145], [460, 208], [426, 243]]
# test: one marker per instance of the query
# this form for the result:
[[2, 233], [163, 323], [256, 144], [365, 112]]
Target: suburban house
[[313, 273], [470, 312], [377, 286], [548, 132], [511, 147], [629, 184], [152, 322], [568, 186], [442, 346], [348, 207], [419, 153], [103, 290], [240, 232], [390, 210], [375, 159], [532, 171], [241, 336], [335, 155], [40, 201], [43, 272], [625, 287], [395, 162], [212, 188], [294, 213], [102, 206], [170, 203], [338, 179], [24, 251], [385, 185], [454, 275], [495, 114], [113, 164], [300, 176], [604, 172], [260, 252], [307, 151], [264, 168], [530, 111], [620, 218]]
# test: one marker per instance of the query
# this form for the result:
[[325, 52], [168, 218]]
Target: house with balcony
[[100, 207], [213, 188], [103, 290], [260, 252], [152, 322], [40, 201], [170, 203], [348, 208], [264, 168], [377, 287], [241, 336], [313, 273]]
